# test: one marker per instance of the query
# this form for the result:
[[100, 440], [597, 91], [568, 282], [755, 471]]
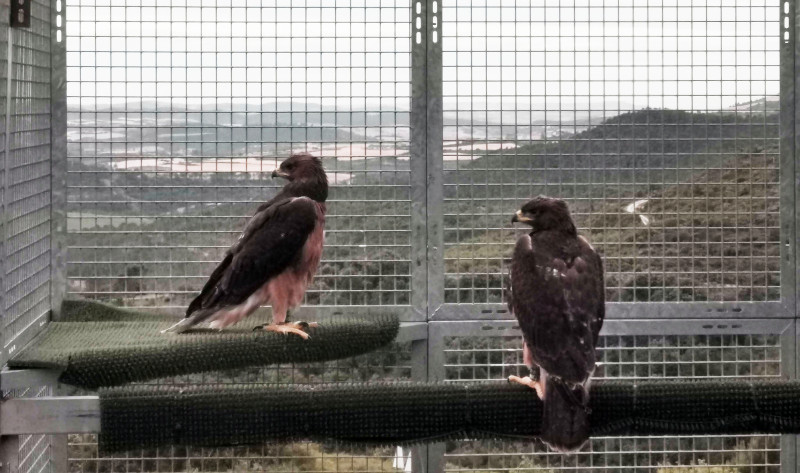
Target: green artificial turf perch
[[404, 413], [98, 345]]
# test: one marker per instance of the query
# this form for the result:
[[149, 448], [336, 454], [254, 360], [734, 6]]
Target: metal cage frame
[[430, 318]]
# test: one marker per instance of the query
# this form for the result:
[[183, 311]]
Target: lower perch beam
[[50, 415], [390, 414]]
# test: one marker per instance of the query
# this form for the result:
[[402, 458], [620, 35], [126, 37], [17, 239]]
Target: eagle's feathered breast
[[558, 301], [291, 284]]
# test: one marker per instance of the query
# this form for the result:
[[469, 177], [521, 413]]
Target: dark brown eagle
[[558, 297], [275, 257]]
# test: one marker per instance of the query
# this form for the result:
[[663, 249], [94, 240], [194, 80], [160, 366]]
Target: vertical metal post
[[436, 373], [789, 369], [790, 183], [419, 372], [59, 458], [418, 163], [435, 221], [9, 445], [59, 444], [788, 168], [58, 156], [5, 184], [431, 29], [3, 196]]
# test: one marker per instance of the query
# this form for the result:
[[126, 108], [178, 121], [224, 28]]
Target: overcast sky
[[673, 54]]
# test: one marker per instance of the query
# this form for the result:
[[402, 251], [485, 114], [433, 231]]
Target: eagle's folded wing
[[269, 244]]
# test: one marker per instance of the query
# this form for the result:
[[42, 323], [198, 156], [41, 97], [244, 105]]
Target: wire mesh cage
[[178, 113], [658, 122], [26, 179], [490, 352], [667, 126]]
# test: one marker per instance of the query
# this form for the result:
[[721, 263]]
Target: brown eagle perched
[[275, 257], [558, 297]]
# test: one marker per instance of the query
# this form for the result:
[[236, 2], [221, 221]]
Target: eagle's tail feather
[[565, 415], [188, 322]]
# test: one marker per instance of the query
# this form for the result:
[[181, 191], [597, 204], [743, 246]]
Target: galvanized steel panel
[[26, 200]]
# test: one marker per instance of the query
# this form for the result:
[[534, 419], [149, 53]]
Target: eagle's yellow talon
[[286, 329]]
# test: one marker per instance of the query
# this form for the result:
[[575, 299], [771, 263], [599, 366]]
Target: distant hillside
[[644, 146], [163, 128], [770, 103], [714, 236], [709, 182], [631, 156]]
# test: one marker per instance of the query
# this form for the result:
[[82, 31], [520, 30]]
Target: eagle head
[[300, 166], [546, 213], [305, 175]]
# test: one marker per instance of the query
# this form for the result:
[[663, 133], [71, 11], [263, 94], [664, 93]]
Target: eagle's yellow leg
[[527, 381]]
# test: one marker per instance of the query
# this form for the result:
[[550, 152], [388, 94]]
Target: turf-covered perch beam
[[389, 414], [95, 345]]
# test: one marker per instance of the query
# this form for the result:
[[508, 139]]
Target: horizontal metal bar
[[411, 331], [50, 415], [238, 184], [159, 232], [26, 378], [167, 276], [708, 326], [635, 310], [176, 291], [227, 202], [191, 261], [181, 247], [154, 216]]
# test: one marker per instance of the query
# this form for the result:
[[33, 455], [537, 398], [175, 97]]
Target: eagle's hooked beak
[[518, 217], [279, 173]]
